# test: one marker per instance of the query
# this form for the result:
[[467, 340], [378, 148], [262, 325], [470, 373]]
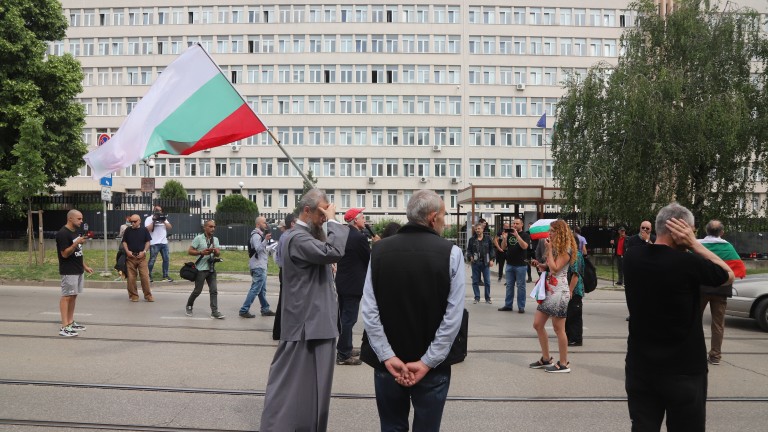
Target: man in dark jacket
[[412, 307], [481, 254], [350, 277]]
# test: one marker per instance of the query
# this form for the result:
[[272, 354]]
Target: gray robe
[[298, 392]]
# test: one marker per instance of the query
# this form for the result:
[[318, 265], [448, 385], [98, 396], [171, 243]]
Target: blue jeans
[[348, 308], [428, 398], [153, 250], [515, 276], [258, 288], [485, 270]]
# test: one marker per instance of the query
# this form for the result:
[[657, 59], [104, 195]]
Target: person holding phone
[[514, 242], [69, 247]]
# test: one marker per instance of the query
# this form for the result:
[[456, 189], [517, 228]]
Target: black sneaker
[[505, 309], [558, 368], [167, 279], [713, 361], [350, 361], [268, 313], [188, 310], [541, 363], [247, 315], [217, 315], [574, 343]]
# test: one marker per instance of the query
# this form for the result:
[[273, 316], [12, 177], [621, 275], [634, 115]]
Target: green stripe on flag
[[724, 250], [206, 108]]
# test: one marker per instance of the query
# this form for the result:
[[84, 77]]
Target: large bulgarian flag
[[192, 106], [727, 253], [540, 229]]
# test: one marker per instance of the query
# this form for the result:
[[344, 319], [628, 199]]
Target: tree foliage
[[307, 186], [33, 86], [681, 117], [25, 178], [175, 197], [236, 208]]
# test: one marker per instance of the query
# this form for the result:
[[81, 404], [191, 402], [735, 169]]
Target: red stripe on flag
[[738, 267], [240, 124]]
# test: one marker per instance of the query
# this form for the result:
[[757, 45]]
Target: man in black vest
[[412, 308]]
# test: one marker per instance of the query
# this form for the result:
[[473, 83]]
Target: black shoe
[[627, 318], [505, 309], [530, 280], [574, 343], [247, 315], [350, 361], [268, 313], [521, 311]]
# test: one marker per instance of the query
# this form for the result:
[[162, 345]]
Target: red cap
[[352, 213]]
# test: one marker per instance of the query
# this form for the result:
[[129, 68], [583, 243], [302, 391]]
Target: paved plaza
[[147, 366]]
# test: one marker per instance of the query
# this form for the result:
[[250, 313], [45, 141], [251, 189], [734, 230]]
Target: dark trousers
[[620, 268], [428, 398], [574, 325], [502, 263], [529, 270], [205, 276], [348, 309], [682, 397], [278, 313]]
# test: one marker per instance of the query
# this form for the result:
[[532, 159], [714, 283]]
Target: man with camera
[[207, 250], [136, 244], [158, 227], [515, 244]]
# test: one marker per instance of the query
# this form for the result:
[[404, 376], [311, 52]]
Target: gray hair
[[312, 199], [715, 228], [422, 203], [673, 210]]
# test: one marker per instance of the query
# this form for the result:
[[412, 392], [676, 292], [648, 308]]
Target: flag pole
[[271, 134]]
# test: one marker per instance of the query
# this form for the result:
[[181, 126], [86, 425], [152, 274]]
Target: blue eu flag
[[542, 123]]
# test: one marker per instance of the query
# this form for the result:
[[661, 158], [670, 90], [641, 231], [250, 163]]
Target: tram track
[[107, 426], [354, 396]]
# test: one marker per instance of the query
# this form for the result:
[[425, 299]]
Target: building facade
[[378, 100]]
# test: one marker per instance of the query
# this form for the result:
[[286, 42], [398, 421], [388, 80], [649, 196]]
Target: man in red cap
[[350, 278]]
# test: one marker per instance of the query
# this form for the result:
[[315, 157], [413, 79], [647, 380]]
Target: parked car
[[750, 300]]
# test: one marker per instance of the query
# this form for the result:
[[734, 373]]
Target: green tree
[[31, 85], [25, 178], [174, 197], [236, 208], [681, 117], [306, 188]]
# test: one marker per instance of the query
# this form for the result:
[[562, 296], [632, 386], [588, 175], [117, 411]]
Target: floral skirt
[[556, 304]]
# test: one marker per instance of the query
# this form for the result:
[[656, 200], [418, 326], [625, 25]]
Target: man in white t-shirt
[[157, 224]]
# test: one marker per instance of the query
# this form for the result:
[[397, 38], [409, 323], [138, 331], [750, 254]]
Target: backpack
[[589, 278], [251, 250]]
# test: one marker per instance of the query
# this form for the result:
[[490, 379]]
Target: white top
[[159, 233]]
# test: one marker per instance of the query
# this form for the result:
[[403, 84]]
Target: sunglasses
[[645, 228], [136, 221]]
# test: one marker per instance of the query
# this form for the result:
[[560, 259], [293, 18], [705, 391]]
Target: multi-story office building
[[377, 99]]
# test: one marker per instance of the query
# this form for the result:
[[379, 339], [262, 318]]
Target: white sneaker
[[67, 332]]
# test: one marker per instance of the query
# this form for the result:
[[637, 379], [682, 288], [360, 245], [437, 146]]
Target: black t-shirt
[[516, 255], [662, 290], [73, 264], [136, 238]]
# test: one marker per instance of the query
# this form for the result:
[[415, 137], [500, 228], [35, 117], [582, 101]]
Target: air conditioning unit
[[423, 179], [520, 86], [455, 180], [436, 148], [235, 148], [371, 180]]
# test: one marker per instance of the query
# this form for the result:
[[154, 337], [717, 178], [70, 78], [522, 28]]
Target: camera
[[159, 217]]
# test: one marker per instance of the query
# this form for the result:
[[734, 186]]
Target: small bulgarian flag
[[727, 253], [540, 229], [192, 106]]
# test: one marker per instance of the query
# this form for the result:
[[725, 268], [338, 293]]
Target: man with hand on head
[[298, 392]]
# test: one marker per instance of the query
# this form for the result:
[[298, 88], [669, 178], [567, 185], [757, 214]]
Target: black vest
[[410, 275]]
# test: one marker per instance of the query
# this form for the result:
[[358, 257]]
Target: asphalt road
[[147, 366]]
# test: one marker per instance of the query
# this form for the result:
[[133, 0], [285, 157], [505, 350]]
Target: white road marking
[[185, 318]]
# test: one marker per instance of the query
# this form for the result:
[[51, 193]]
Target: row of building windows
[[422, 168], [346, 104], [435, 137], [348, 74], [355, 43], [421, 14]]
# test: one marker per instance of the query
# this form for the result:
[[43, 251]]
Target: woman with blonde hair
[[560, 253]]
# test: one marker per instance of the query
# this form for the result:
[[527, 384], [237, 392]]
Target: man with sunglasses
[[136, 241], [644, 237]]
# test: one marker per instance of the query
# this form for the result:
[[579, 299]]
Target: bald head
[[74, 219], [261, 223]]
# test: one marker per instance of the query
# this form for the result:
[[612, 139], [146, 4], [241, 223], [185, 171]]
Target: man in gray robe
[[298, 392]]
